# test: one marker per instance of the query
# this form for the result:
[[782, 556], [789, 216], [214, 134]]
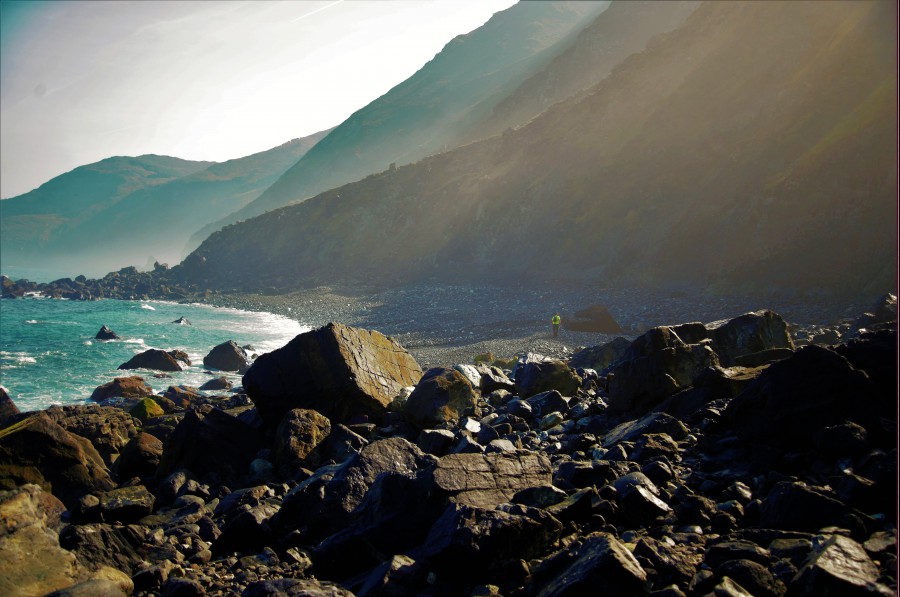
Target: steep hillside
[[423, 114], [100, 217], [751, 149]]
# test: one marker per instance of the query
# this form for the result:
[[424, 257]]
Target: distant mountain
[[751, 149], [425, 113], [122, 211]]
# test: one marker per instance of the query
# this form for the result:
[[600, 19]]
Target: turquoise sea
[[48, 354]]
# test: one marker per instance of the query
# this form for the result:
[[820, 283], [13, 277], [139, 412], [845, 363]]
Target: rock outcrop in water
[[717, 478]]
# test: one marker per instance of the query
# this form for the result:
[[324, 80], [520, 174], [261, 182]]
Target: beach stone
[[601, 566], [31, 559], [293, 587], [299, 433], [839, 566], [123, 387], [795, 506], [106, 334], [441, 397], [493, 379], [753, 577], [402, 575], [153, 358], [8, 408], [535, 377], [673, 563], [342, 443], [209, 440], [182, 396], [435, 441], [748, 334], [37, 450], [486, 480], [337, 370], [146, 409], [227, 356], [139, 458]]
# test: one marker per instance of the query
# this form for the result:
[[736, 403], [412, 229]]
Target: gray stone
[[486, 480]]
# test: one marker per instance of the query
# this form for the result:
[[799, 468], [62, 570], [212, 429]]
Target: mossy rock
[[146, 409], [487, 358]]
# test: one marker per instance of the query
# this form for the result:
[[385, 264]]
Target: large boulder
[[139, 458], [31, 559], [440, 397], [535, 377], [122, 387], [108, 428], [337, 370], [601, 566], [37, 450], [153, 358], [839, 566], [657, 365], [748, 334], [106, 334], [209, 440], [595, 319], [600, 357], [792, 400], [227, 356]]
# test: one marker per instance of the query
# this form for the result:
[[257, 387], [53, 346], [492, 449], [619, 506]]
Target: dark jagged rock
[[227, 356], [657, 365], [122, 387], [153, 358], [748, 334], [106, 334], [793, 399], [600, 357], [840, 566], [37, 450], [442, 396], [103, 544], [218, 383], [8, 408], [139, 458], [536, 377], [183, 396], [182, 321], [210, 440], [336, 370]]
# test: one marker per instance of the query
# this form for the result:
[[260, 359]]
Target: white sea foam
[[149, 307]]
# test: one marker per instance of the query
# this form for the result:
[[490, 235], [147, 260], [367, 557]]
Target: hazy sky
[[82, 81]]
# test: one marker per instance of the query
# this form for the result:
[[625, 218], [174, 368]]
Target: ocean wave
[[19, 358], [149, 307], [134, 341]]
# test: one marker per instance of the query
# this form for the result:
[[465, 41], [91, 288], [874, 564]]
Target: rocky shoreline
[[743, 456]]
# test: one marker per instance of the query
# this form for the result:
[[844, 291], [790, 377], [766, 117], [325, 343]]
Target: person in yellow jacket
[[555, 321]]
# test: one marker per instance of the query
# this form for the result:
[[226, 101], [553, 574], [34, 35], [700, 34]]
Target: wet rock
[[106, 334], [37, 450], [441, 397], [216, 384], [227, 356], [153, 358], [602, 565], [536, 377], [486, 480], [336, 370], [123, 387], [750, 333], [297, 437], [182, 321]]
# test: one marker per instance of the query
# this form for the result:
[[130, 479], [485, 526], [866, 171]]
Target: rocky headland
[[743, 456]]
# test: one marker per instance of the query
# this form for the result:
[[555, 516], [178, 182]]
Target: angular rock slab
[[602, 566], [337, 370], [748, 334], [227, 356], [153, 358], [441, 396], [840, 567], [487, 480]]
